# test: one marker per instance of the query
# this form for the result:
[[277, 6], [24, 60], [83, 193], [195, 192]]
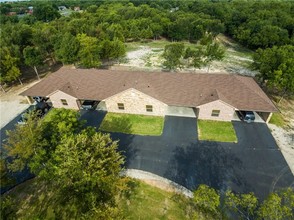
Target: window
[[215, 113], [63, 101], [121, 106], [149, 108]]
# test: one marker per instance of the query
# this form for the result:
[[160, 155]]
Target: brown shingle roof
[[179, 89]]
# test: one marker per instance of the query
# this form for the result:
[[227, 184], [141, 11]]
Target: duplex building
[[205, 96]]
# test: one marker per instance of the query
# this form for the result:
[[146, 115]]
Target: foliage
[[207, 200], [80, 165], [89, 51], [67, 48], [8, 66], [45, 12], [245, 205], [172, 55], [278, 206], [86, 168], [276, 67]]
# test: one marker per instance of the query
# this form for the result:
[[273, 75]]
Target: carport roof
[[178, 89]]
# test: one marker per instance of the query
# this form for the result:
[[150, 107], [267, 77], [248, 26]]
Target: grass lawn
[[216, 131], [132, 124], [277, 119], [31, 200], [149, 202]]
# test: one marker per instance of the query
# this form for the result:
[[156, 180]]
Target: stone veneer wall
[[226, 111], [135, 103], [56, 100]]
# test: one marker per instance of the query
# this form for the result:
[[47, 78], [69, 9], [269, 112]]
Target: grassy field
[[216, 131], [132, 124], [31, 200], [148, 202], [277, 119]]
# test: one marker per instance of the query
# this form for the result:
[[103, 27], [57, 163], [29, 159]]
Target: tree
[[46, 12], [66, 50], [24, 143], [213, 52], [207, 200], [172, 55], [112, 49], [244, 205], [275, 66], [80, 166], [195, 57], [89, 51], [87, 168], [33, 58], [9, 70], [278, 206]]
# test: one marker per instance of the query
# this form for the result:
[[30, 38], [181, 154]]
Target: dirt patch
[[12, 104]]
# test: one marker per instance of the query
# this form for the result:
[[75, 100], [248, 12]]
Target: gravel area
[[9, 110], [158, 181], [285, 141], [12, 104]]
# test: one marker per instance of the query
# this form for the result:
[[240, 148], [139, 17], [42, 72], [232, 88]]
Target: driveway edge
[[157, 181]]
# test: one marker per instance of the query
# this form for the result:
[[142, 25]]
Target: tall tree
[[66, 49], [276, 66], [33, 58], [89, 51], [46, 12], [278, 206], [244, 205], [207, 200], [213, 52], [9, 70], [87, 168], [172, 55]]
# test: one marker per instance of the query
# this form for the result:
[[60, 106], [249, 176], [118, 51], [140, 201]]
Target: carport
[[181, 111]]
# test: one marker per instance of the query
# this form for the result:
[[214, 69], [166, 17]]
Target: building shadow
[[205, 163]]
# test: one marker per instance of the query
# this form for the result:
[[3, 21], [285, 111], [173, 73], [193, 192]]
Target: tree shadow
[[92, 118], [205, 163]]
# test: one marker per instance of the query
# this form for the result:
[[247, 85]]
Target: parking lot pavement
[[254, 164]]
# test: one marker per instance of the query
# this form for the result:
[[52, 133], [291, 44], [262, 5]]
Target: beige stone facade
[[226, 111], [135, 102], [57, 97]]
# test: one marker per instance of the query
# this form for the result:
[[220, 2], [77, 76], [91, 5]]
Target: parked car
[[89, 104], [247, 116], [40, 99], [41, 108]]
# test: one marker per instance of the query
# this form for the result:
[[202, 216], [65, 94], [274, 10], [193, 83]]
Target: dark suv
[[41, 108], [247, 116]]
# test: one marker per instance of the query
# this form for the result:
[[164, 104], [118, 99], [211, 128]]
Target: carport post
[[29, 99], [269, 117]]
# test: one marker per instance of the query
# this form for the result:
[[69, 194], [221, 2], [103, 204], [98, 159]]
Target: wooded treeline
[[97, 34]]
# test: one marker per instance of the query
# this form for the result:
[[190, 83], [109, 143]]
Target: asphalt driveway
[[254, 164]]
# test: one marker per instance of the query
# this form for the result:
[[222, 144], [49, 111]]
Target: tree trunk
[[282, 96], [20, 81], [208, 68], [36, 71], [2, 88]]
